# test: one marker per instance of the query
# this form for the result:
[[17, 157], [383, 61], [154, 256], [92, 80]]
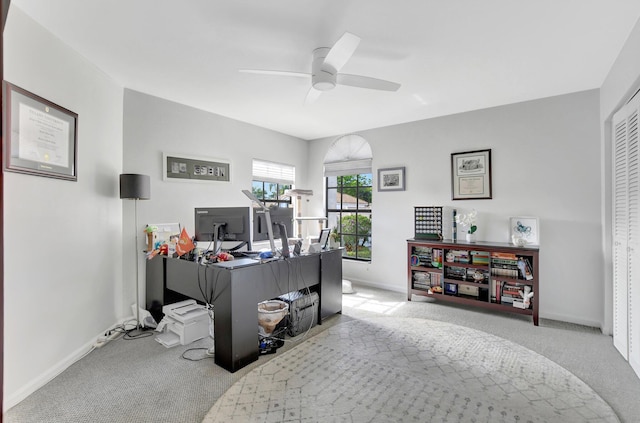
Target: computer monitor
[[231, 224], [324, 237], [283, 215]]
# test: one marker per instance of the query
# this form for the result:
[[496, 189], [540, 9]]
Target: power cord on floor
[[206, 354]]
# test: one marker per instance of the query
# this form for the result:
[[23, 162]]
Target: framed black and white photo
[[391, 179], [471, 175], [40, 136]]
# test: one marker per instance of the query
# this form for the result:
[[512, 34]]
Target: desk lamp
[[267, 217], [135, 187]]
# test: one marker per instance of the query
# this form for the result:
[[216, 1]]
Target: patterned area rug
[[409, 370]]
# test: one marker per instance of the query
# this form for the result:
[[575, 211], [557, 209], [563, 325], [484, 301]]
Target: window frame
[[280, 200], [357, 211]]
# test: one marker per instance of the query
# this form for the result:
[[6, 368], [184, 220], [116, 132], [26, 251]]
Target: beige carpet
[[407, 369]]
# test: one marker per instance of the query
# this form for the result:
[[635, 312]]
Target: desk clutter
[[173, 241], [231, 291], [295, 313], [292, 314], [183, 323]]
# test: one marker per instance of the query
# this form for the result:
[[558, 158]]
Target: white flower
[[468, 220]]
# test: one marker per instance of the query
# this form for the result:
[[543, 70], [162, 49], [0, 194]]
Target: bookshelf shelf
[[447, 271]]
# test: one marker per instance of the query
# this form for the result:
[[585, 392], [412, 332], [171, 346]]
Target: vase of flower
[[334, 239], [468, 220]]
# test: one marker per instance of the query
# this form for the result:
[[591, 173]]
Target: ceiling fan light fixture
[[326, 70], [323, 81], [322, 77]]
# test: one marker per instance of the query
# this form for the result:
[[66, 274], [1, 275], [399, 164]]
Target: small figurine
[[526, 295]]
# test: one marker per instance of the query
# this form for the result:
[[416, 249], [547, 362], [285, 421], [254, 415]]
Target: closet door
[[619, 229], [626, 233], [633, 258]]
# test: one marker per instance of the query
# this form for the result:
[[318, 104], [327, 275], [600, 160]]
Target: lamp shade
[[134, 186]]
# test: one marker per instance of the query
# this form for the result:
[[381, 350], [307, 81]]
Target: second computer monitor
[[283, 215]]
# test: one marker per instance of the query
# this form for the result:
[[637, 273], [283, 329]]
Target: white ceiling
[[450, 56]]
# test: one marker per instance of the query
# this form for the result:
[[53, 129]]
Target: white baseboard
[[402, 289], [15, 398], [551, 316], [571, 319], [37, 383]]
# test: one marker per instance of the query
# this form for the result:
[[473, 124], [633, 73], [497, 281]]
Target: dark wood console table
[[444, 270], [236, 287]]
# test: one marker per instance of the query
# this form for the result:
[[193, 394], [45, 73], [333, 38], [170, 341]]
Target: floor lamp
[[135, 187]]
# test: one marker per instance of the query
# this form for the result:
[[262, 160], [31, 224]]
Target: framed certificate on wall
[[40, 136], [471, 175]]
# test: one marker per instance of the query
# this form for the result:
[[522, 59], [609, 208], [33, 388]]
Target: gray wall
[[62, 252], [153, 126], [546, 163]]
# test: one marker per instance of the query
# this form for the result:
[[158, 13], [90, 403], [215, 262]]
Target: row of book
[[506, 292], [501, 264], [426, 280], [464, 256], [513, 267], [458, 256], [480, 257]]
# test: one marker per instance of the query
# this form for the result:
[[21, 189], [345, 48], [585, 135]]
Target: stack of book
[[504, 264], [421, 280], [510, 292], [480, 257], [423, 254], [460, 256]]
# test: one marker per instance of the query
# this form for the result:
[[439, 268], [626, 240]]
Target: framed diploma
[[40, 136], [471, 175]]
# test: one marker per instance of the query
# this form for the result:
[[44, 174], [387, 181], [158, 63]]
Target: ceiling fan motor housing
[[323, 76]]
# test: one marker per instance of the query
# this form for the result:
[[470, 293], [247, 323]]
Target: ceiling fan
[[325, 70]]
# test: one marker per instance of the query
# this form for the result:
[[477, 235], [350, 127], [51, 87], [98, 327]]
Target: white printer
[[183, 323]]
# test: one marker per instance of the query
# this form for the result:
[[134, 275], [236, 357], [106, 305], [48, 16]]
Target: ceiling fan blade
[[312, 96], [342, 50], [366, 82], [276, 72]]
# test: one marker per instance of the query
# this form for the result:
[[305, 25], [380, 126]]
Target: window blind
[[348, 155], [347, 167], [278, 173]]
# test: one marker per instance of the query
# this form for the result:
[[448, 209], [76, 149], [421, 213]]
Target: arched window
[[347, 169]]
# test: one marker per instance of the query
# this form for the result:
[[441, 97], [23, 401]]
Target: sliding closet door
[[626, 232]]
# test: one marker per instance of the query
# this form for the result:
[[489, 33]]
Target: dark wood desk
[[235, 288]]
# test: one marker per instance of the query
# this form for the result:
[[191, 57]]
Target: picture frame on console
[[524, 227], [471, 175], [41, 136]]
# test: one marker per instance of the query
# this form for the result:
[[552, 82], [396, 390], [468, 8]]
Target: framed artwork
[[188, 168], [41, 137], [526, 228], [391, 179], [471, 175]]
